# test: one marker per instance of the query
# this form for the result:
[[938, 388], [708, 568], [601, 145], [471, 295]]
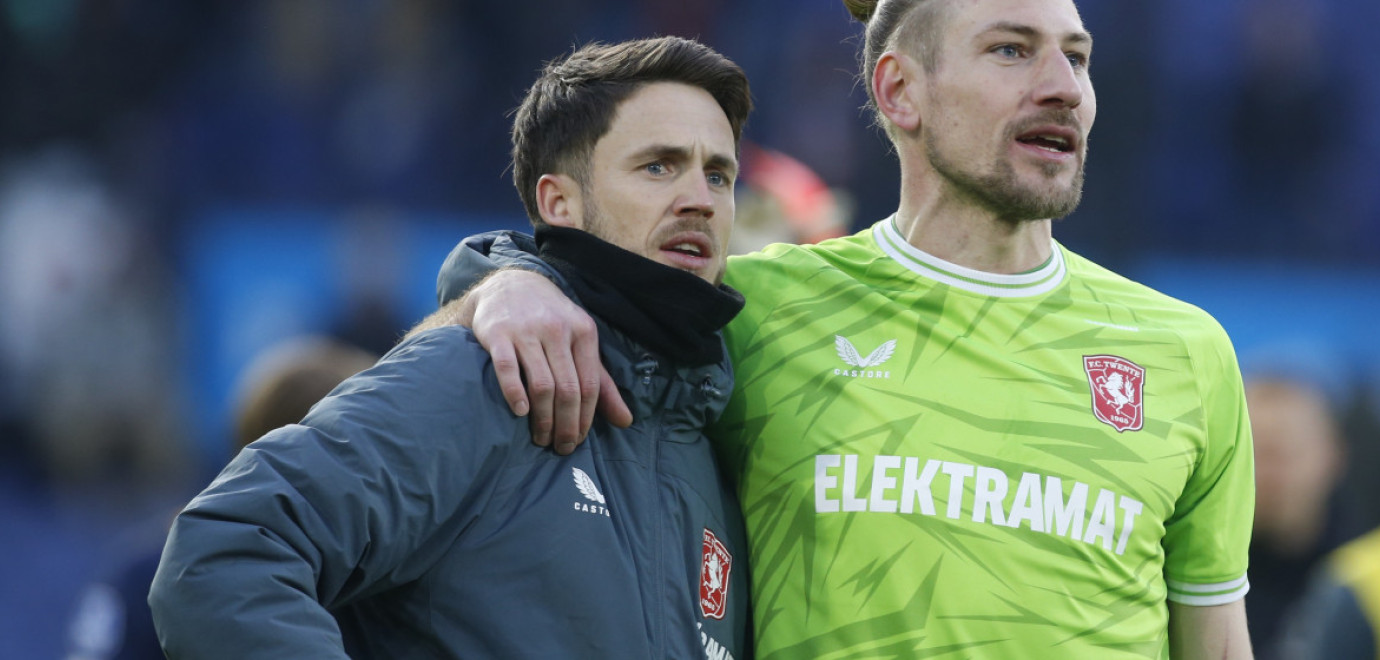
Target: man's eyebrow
[[672, 152], [657, 151], [1082, 37], [722, 162]]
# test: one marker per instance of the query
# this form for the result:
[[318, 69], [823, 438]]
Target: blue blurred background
[[184, 184]]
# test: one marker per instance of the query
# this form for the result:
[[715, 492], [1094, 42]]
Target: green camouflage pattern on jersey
[[940, 463]]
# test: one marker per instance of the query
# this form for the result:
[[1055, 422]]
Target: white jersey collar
[[1037, 282]]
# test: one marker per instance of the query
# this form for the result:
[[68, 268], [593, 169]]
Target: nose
[[1060, 84], [696, 198]]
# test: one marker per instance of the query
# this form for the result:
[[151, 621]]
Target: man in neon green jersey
[[953, 437]]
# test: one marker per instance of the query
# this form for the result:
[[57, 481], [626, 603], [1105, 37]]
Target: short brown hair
[[285, 381], [572, 104]]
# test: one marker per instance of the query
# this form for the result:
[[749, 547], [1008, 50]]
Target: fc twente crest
[[1117, 386], [714, 568]]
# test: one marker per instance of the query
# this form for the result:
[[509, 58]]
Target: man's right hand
[[533, 331]]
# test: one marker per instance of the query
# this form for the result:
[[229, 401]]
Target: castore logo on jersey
[[864, 365]]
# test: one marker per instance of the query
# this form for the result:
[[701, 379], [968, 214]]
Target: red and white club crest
[[1117, 387], [714, 567]]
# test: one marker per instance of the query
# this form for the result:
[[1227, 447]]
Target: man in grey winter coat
[[411, 515]]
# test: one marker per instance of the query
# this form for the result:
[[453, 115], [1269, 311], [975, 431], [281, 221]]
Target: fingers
[[588, 368], [567, 430], [510, 377], [541, 387], [554, 389], [611, 404], [551, 344]]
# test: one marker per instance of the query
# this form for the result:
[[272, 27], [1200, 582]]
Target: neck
[[933, 218]]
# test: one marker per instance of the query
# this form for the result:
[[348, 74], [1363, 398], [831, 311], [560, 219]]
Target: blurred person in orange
[[782, 200]]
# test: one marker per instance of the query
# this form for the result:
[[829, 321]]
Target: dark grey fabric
[[410, 516]]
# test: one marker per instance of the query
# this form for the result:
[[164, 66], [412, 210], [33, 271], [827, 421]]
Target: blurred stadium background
[[183, 185]]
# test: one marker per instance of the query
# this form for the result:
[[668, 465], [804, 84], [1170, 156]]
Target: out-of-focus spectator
[[1339, 616], [1298, 457], [285, 381], [112, 621], [781, 200], [85, 329]]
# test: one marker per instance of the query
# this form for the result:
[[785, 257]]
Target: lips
[[1054, 139], [692, 248], [688, 251]]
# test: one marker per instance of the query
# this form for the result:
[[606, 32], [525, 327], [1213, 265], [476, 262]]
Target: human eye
[[1009, 51], [718, 179], [1078, 59], [656, 168]]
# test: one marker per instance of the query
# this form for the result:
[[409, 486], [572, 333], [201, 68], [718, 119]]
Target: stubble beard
[[596, 222], [1002, 192]]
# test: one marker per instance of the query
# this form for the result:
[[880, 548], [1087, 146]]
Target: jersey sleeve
[[364, 495], [1207, 537]]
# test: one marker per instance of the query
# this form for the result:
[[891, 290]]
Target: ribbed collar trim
[[1040, 281]]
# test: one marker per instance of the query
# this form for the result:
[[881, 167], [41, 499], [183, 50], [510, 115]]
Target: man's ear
[[559, 202], [897, 83]]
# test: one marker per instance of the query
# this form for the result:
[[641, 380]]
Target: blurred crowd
[[1229, 130]]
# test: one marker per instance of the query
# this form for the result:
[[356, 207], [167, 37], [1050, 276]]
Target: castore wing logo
[[850, 356], [587, 486], [590, 490]]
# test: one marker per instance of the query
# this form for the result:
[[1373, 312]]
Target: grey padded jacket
[[410, 516]]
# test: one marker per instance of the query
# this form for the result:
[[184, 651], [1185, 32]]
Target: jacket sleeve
[[477, 256], [376, 483]]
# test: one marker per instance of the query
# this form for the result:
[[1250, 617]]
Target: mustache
[[1065, 118], [695, 224]]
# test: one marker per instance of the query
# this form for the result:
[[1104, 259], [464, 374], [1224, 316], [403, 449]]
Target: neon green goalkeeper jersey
[[940, 463]]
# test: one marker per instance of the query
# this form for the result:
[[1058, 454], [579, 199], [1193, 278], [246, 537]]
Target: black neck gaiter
[[674, 313]]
